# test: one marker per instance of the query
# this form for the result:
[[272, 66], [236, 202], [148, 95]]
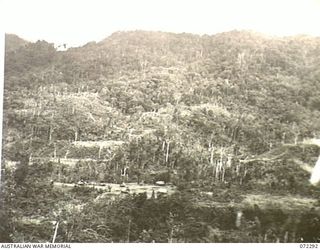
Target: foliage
[[213, 115]]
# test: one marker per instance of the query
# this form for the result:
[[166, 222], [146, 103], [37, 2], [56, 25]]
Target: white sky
[[77, 22]]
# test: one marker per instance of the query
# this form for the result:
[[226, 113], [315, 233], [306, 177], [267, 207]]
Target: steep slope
[[220, 117], [13, 42]]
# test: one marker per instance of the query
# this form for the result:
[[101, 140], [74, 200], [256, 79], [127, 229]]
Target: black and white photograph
[[160, 121]]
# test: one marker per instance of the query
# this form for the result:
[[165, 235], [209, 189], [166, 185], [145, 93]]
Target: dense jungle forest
[[161, 137]]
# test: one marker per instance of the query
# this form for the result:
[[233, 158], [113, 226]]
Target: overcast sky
[[77, 22]]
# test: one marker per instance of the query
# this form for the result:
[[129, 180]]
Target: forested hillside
[[220, 119]]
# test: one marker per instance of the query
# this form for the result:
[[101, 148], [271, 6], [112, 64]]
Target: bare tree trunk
[[170, 235], [55, 232], [245, 172], [238, 169], [129, 228], [238, 219], [59, 174], [167, 153], [75, 135], [229, 162], [99, 154], [220, 164], [213, 170], [283, 137], [30, 158], [217, 170], [223, 173], [50, 133], [66, 155], [265, 238], [32, 132], [285, 240], [211, 156]]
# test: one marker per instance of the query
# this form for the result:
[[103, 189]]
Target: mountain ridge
[[220, 118]]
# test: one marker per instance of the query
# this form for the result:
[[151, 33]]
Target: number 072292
[[309, 245]]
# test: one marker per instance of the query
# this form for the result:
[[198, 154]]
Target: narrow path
[[131, 188]]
